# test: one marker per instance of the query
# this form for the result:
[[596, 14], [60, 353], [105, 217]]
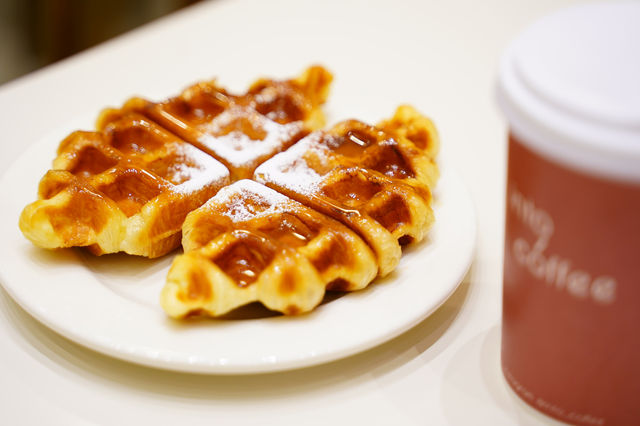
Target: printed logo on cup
[[551, 268]]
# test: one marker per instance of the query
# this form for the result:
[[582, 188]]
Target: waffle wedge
[[250, 243], [127, 187], [243, 130], [378, 182]]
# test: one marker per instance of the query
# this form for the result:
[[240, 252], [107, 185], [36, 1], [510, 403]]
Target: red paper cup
[[570, 89]]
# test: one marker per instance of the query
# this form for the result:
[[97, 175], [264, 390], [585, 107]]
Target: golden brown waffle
[[250, 243], [125, 188], [408, 125], [376, 182], [244, 130]]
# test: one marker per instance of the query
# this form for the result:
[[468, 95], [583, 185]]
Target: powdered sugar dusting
[[241, 136], [196, 170], [245, 200], [291, 169]]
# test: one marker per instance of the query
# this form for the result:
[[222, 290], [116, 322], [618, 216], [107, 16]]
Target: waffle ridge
[[250, 244], [372, 178], [125, 188]]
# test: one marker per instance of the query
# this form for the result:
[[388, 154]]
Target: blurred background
[[35, 33]]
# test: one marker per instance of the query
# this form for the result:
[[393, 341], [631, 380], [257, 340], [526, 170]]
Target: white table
[[439, 56]]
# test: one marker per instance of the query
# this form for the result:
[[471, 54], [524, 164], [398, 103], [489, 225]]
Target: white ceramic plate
[[110, 303]]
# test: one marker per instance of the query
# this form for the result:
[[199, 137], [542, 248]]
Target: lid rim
[[543, 105], [561, 148]]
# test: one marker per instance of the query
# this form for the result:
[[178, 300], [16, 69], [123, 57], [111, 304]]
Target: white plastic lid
[[570, 88]]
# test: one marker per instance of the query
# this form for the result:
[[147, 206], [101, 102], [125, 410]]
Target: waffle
[[244, 130], [252, 244], [127, 187], [375, 180]]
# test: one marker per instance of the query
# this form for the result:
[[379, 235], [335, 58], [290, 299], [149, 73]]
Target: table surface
[[439, 56]]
